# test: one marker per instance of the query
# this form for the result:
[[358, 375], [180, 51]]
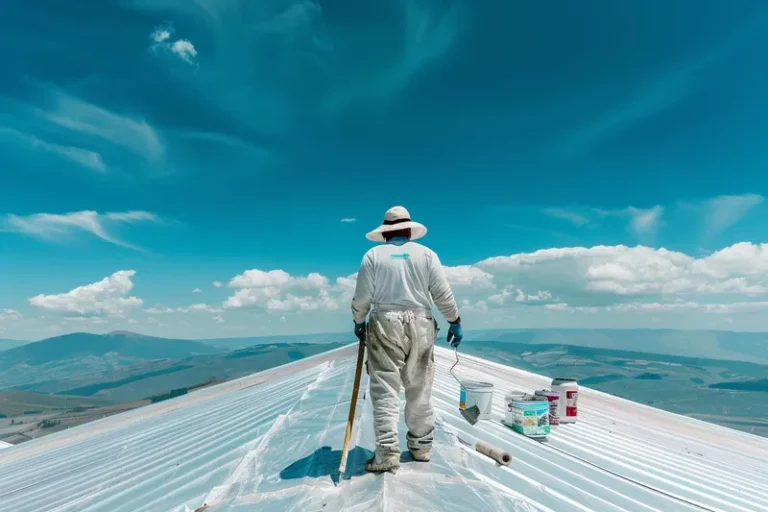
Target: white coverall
[[398, 283]]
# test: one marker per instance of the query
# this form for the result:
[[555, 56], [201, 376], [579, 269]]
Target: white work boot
[[421, 454], [386, 461]]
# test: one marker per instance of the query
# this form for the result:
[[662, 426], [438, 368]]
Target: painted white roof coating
[[272, 440]]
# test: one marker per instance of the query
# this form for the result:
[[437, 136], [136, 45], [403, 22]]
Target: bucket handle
[[456, 351]]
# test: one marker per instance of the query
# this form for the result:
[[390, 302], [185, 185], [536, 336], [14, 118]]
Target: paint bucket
[[553, 397], [569, 399], [477, 393], [528, 415]]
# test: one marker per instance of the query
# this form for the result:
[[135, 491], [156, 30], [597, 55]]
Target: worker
[[398, 283]]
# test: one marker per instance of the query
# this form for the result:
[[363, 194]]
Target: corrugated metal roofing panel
[[271, 441]]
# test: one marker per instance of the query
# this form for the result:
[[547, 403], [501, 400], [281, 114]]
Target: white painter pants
[[401, 353]]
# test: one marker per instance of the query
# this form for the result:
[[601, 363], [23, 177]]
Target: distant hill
[[241, 343], [73, 355], [749, 385], [9, 344], [119, 344], [18, 403], [144, 379], [724, 345]]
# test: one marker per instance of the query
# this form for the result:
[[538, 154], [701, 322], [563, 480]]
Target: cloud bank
[[106, 297], [56, 227]]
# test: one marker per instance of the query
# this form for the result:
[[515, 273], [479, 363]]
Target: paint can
[[569, 399], [477, 393], [553, 397], [527, 415]]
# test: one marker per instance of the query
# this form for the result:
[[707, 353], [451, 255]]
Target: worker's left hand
[[455, 335], [360, 331]]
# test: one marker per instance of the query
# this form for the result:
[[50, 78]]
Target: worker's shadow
[[325, 462]]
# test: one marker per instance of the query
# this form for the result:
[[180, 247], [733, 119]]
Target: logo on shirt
[[401, 256]]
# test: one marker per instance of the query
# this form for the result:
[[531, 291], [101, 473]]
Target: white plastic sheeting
[[271, 441], [3, 444]]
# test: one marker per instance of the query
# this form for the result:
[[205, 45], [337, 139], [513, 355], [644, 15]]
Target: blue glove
[[455, 335], [360, 331]]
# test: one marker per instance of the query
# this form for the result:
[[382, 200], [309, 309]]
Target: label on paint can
[[462, 399], [571, 402], [553, 397], [529, 416]]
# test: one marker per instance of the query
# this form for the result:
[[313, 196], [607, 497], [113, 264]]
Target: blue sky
[[188, 142]]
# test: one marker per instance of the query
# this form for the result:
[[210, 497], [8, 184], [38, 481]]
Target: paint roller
[[502, 457]]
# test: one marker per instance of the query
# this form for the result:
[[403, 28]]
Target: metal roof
[[272, 440]]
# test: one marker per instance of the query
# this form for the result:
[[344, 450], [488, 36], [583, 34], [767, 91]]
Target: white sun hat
[[395, 219]]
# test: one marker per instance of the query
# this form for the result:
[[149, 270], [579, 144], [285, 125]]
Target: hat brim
[[417, 231]]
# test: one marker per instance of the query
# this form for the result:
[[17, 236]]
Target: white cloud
[[519, 296], [135, 135], [645, 222], [620, 270], [155, 321], [273, 289], [716, 214], [181, 48], [199, 308], [345, 287], [501, 298], [573, 217], [194, 308], [720, 213], [248, 297], [81, 156], [540, 295], [218, 284], [161, 34], [562, 306], [9, 314], [133, 216], [574, 280], [52, 227], [256, 278], [197, 290], [106, 297], [468, 275], [349, 220], [668, 307], [185, 50], [324, 301], [159, 311], [94, 320]]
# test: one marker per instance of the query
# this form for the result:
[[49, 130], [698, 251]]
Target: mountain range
[[9, 344], [724, 345], [673, 370]]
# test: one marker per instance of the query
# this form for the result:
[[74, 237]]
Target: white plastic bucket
[[477, 393]]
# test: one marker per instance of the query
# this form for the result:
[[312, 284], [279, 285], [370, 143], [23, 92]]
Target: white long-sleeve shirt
[[407, 276]]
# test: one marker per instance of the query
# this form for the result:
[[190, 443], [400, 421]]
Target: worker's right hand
[[455, 335], [360, 331]]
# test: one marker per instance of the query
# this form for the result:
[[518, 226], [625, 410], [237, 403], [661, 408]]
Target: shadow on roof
[[325, 462]]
